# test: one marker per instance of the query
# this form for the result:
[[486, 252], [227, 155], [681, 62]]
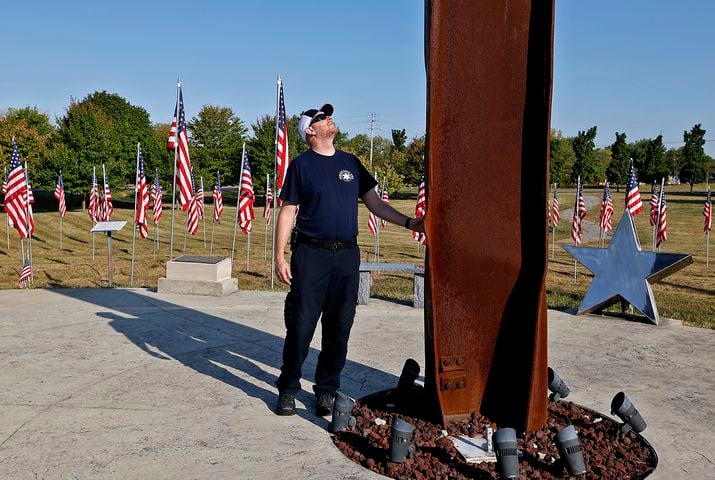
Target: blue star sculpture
[[622, 272]]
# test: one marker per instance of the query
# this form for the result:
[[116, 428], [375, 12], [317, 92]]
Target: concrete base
[[198, 275], [196, 287]]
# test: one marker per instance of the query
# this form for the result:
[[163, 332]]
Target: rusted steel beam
[[489, 79]]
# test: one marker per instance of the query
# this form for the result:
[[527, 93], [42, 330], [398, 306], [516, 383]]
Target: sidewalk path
[[129, 384]]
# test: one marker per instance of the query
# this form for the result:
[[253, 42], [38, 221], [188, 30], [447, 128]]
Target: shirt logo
[[346, 176]]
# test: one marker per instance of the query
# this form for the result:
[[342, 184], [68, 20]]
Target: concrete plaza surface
[[130, 384]]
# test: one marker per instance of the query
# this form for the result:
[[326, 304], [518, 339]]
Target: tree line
[[105, 128], [573, 157]]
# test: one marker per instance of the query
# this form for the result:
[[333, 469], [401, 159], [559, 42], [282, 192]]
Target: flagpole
[[238, 203], [94, 177], [29, 226], [7, 223], [134, 220], [575, 212], [265, 221], [22, 251], [553, 228], [203, 210], [655, 229], [186, 230], [660, 200], [707, 250], [707, 232], [279, 83], [61, 218], [213, 225], [248, 252], [173, 188]]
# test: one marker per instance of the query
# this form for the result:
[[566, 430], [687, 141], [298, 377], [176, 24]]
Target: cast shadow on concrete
[[227, 351]]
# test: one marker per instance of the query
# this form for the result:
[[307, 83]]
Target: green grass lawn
[[688, 295]]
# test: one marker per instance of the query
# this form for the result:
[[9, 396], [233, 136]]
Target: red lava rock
[[607, 456]]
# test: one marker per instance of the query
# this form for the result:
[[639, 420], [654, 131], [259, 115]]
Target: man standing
[[323, 273]]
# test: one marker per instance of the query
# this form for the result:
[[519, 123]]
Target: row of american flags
[[658, 215]]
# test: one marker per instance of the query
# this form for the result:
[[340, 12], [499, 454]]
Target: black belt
[[327, 244]]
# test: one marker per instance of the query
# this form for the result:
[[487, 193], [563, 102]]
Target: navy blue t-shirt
[[327, 190]]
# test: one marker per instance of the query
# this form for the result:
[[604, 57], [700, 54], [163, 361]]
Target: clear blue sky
[[643, 67]]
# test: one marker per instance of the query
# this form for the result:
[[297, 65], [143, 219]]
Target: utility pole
[[372, 131]]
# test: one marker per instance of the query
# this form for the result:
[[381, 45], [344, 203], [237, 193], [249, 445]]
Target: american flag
[[192, 223], [16, 192], [218, 199], [633, 195], [245, 204], [555, 214], [662, 220], [420, 209], [605, 219], [281, 141], [269, 202], [386, 199], [107, 207], [142, 202], [184, 180], [25, 275], [708, 212], [4, 183], [93, 209], [653, 205], [579, 214], [171, 144], [60, 196], [200, 198], [30, 201], [372, 221], [157, 198]]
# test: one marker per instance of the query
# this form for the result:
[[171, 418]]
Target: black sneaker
[[285, 404], [324, 404]]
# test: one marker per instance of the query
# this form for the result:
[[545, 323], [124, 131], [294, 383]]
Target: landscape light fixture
[[342, 408], [507, 454], [557, 386], [622, 406], [570, 451], [401, 445]]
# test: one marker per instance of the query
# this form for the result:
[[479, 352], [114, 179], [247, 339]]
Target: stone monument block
[[198, 275]]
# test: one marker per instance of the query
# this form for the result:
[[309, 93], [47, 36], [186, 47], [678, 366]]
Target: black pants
[[324, 282]]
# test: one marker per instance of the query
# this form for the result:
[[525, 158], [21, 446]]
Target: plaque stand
[[108, 228]]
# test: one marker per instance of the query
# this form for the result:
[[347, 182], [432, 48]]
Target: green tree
[[674, 159], [105, 128], [656, 165], [586, 159], [639, 151], [260, 148], [399, 138], [561, 157], [166, 167], [694, 164], [34, 136], [617, 171], [387, 173], [85, 131], [217, 137], [603, 160], [414, 161]]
